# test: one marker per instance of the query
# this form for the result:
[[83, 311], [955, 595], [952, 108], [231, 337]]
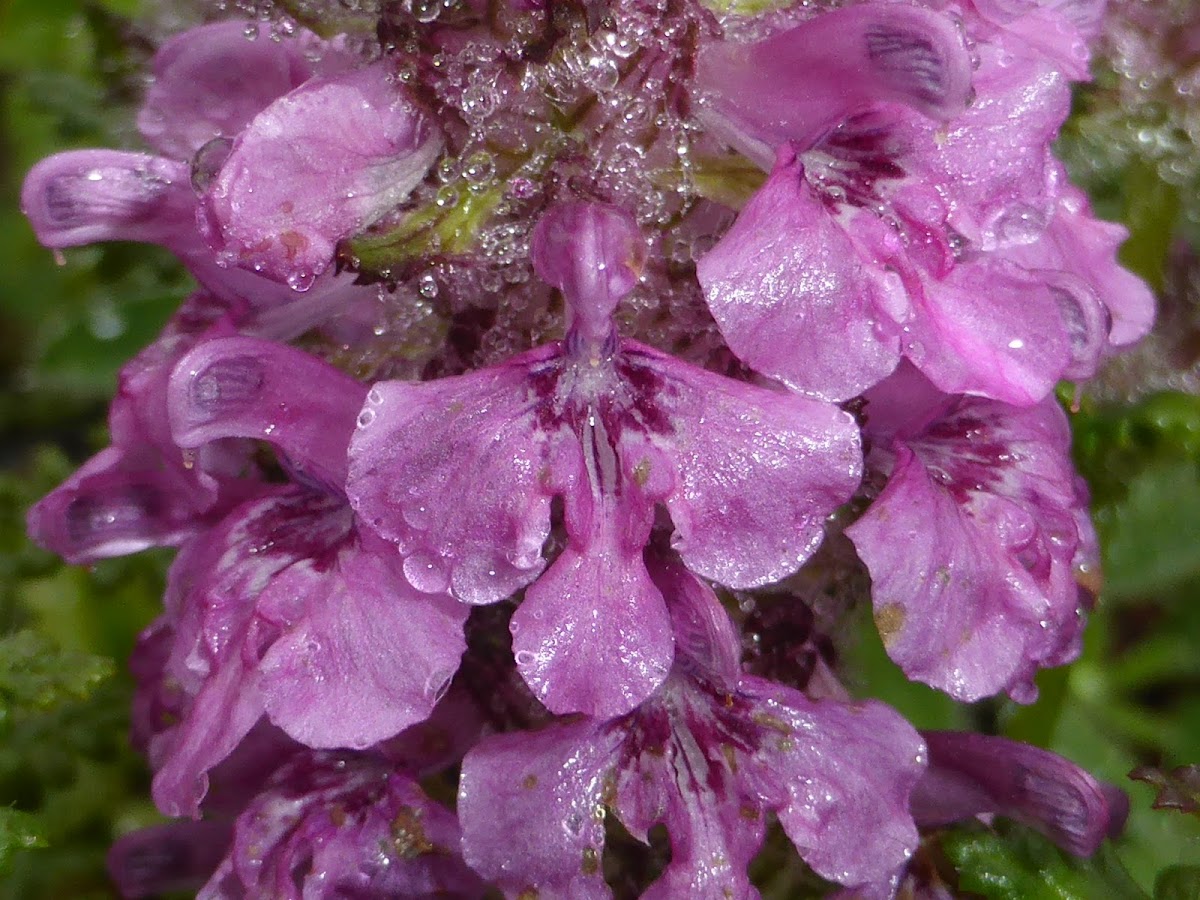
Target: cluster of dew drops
[[580, 100]]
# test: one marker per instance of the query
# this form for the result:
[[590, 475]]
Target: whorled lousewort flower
[[546, 360]]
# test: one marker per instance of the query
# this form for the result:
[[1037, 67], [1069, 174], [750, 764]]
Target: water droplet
[[447, 169], [525, 658], [602, 74], [426, 10], [447, 196], [207, 162], [479, 101], [427, 572], [479, 167], [366, 417], [300, 281], [1019, 224]]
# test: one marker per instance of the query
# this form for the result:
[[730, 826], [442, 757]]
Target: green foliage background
[[68, 782]]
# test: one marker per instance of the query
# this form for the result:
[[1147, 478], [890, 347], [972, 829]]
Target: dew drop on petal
[[427, 572]]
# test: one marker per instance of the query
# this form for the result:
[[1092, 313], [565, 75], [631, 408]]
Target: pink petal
[[848, 770], [990, 328], [792, 297], [980, 591], [452, 471], [795, 85], [251, 388], [528, 806], [87, 196], [369, 657], [314, 167], [756, 472], [210, 81], [593, 634]]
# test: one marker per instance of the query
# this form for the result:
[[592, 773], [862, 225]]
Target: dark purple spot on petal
[[84, 198], [227, 385], [911, 59], [124, 512]]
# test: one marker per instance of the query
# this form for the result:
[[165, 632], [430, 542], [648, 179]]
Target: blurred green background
[[68, 782]]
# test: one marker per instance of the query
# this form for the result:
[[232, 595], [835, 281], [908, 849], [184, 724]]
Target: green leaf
[[18, 831], [1014, 863], [1178, 883], [34, 675], [1151, 211], [1151, 538]]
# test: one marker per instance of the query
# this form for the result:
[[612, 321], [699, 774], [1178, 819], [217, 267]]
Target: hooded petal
[[251, 388], [452, 471], [143, 490], [593, 254], [88, 196], [706, 642], [795, 85], [972, 774], [792, 298], [210, 81], [320, 164]]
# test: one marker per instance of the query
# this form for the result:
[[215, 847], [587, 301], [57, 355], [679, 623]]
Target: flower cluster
[[558, 375]]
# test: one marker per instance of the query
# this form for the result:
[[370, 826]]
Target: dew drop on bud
[[207, 162]]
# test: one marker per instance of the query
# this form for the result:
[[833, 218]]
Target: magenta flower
[[889, 233], [86, 196], [339, 825], [460, 473], [144, 490], [982, 589], [199, 198], [286, 608], [708, 755]]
